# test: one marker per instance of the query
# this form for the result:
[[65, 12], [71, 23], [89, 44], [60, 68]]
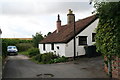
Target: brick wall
[[115, 67]]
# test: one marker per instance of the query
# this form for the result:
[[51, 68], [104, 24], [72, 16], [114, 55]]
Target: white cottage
[[61, 41]]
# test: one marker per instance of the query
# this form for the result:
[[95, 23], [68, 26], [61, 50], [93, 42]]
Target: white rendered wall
[[60, 51], [69, 48]]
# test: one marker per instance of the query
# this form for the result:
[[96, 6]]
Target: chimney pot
[[70, 17]]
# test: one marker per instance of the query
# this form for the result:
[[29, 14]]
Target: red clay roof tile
[[67, 31]]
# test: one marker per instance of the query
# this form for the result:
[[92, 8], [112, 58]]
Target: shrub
[[48, 58], [38, 57], [33, 52], [24, 46], [60, 59], [4, 49]]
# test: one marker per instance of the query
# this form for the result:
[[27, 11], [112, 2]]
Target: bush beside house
[[33, 52], [48, 58]]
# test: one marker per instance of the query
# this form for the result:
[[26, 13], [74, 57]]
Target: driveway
[[21, 67]]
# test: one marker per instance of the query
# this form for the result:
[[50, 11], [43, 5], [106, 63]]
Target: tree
[[108, 30], [37, 38]]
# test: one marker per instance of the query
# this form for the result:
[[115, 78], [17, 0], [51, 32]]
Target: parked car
[[12, 50]]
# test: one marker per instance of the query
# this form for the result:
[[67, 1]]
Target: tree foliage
[[37, 38], [108, 30], [13, 42]]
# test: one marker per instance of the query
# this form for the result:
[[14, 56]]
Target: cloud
[[23, 18], [26, 26], [37, 7]]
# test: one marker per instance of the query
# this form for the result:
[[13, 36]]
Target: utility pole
[[74, 40]]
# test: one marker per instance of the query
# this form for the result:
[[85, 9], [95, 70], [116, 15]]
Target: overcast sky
[[23, 18]]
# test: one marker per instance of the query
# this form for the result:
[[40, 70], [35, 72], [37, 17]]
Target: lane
[[21, 67]]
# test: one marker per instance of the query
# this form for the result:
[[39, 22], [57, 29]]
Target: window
[[93, 37], [43, 46], [52, 46], [82, 40]]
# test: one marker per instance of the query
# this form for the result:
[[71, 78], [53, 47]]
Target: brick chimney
[[58, 24], [70, 17]]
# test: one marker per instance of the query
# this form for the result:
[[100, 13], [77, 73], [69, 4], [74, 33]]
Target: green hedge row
[[22, 45], [15, 41]]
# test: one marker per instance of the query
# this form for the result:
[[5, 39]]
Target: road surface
[[21, 67]]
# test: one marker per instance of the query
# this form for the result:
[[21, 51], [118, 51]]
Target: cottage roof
[[67, 32]]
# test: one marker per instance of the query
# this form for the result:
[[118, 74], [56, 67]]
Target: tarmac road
[[21, 67]]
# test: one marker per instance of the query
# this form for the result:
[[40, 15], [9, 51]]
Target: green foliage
[[37, 38], [24, 46], [48, 58], [33, 52], [13, 42], [4, 49], [38, 57], [24, 53], [58, 60], [45, 58], [108, 30]]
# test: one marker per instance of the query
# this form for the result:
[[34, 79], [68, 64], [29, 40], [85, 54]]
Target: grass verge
[[24, 53]]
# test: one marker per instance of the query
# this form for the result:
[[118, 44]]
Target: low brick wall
[[115, 67]]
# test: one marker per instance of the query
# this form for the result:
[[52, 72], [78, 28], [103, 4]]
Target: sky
[[23, 18]]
